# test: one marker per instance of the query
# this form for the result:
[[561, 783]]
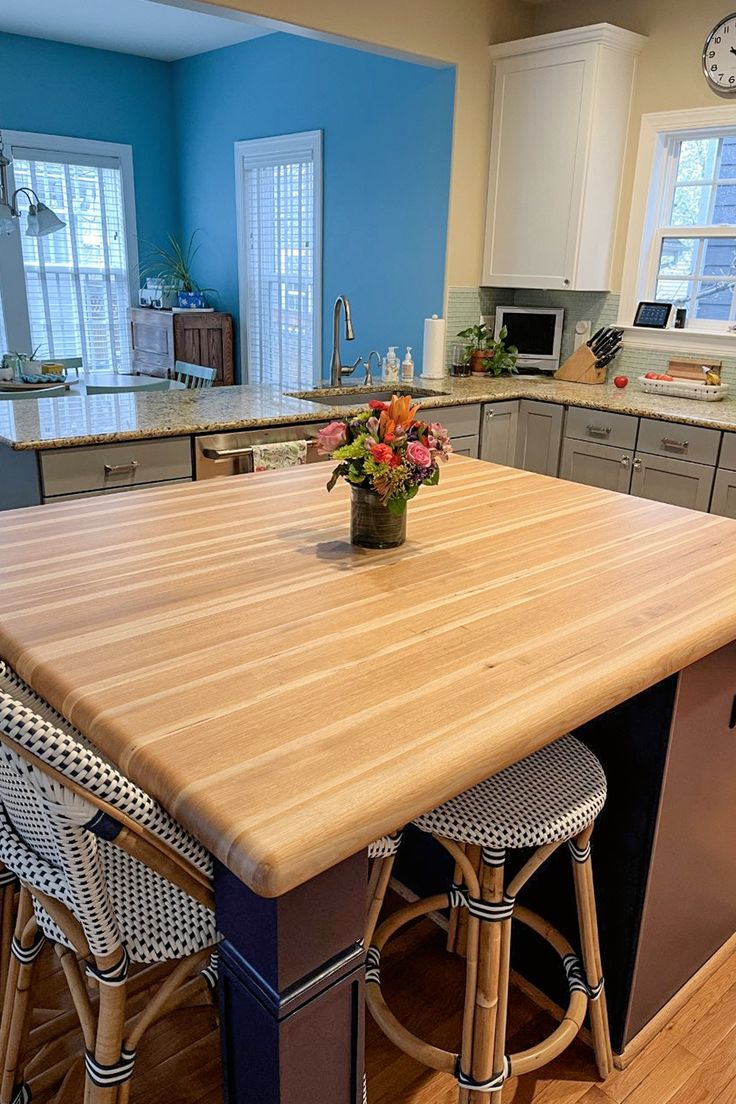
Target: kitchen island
[[289, 698]]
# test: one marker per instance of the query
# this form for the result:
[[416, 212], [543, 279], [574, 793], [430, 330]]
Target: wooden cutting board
[[16, 385], [682, 368]]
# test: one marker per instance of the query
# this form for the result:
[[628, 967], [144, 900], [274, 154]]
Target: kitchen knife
[[613, 341], [607, 359], [598, 333]]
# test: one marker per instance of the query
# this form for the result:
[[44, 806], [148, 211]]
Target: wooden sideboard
[[161, 337]]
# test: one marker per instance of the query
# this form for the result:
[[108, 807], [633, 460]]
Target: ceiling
[[145, 27]]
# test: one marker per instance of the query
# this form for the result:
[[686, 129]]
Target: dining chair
[[104, 389], [195, 376], [41, 393], [109, 879]]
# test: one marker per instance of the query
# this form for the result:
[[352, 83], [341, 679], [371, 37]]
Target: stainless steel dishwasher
[[221, 454]]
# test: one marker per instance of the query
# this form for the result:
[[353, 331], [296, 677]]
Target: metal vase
[[373, 525]]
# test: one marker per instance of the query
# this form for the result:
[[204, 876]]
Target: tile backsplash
[[465, 305]]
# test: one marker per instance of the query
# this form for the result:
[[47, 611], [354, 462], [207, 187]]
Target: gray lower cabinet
[[499, 428], [596, 465], [539, 437], [724, 494], [462, 423], [679, 482], [466, 446]]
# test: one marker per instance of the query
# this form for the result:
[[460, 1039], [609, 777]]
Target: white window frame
[[12, 277], [265, 149], [643, 242]]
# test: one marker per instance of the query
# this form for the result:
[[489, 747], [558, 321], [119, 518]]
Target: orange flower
[[401, 411]]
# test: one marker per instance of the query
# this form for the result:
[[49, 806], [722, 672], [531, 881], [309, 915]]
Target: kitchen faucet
[[337, 368]]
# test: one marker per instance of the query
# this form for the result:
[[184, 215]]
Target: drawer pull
[[598, 430], [121, 469], [226, 454], [673, 443]]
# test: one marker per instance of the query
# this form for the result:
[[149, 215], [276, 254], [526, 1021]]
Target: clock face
[[719, 56]]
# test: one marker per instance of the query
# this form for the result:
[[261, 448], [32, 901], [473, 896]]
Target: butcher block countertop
[[289, 697]]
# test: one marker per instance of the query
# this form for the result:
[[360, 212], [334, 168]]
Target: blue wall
[[387, 144], [53, 88]]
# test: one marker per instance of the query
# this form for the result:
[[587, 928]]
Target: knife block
[[580, 368]]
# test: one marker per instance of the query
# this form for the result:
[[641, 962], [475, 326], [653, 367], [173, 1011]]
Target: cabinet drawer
[[105, 467], [601, 426], [728, 452], [681, 442], [459, 421]]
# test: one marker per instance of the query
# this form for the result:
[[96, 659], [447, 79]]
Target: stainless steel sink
[[359, 396]]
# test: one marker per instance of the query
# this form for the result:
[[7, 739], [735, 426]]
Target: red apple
[[621, 381]]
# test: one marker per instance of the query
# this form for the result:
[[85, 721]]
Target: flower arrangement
[[387, 450]]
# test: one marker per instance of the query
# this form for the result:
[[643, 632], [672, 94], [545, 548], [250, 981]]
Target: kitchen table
[[289, 697]]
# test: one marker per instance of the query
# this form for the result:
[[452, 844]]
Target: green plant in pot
[[488, 356], [171, 265]]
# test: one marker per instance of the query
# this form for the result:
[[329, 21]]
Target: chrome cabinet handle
[[226, 454], [598, 430], [625, 461], [489, 415], [121, 469], [673, 443], [637, 465]]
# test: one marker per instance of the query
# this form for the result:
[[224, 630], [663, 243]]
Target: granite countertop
[[62, 422]]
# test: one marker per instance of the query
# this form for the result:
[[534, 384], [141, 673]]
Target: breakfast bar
[[289, 698]]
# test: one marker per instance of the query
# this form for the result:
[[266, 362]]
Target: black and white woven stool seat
[[385, 846], [551, 795]]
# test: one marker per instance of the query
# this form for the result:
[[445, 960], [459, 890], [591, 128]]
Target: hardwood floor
[[692, 1061]]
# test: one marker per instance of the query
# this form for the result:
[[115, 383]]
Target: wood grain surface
[[289, 697]]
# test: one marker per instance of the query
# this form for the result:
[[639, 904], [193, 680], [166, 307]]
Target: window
[[279, 208], [682, 235], [72, 295]]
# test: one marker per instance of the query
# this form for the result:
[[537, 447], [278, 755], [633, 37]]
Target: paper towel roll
[[433, 360]]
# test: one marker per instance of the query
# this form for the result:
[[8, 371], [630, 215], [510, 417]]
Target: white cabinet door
[[724, 493], [679, 482], [560, 121], [499, 426], [539, 437], [596, 465]]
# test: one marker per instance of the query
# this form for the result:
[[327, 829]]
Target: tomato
[[652, 375], [621, 381], [666, 379]]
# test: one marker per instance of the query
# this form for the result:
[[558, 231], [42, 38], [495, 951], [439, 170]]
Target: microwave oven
[[537, 334]]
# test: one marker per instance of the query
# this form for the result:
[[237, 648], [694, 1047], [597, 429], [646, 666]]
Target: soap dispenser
[[407, 367], [391, 366]]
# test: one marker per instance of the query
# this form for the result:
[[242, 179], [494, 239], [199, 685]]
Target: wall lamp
[[41, 219]]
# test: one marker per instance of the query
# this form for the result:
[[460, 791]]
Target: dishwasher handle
[[226, 454]]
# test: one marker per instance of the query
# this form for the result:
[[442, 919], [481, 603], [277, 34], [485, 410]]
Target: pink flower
[[331, 437], [382, 454], [419, 454]]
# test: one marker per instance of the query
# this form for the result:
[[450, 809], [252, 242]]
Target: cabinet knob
[[489, 415], [637, 465], [566, 282], [625, 461]]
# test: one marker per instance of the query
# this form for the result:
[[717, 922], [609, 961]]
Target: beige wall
[[457, 31], [669, 75]]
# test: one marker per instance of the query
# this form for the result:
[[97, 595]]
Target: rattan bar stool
[[109, 879], [550, 798]]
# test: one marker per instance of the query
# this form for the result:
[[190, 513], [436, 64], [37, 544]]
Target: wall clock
[[719, 56]]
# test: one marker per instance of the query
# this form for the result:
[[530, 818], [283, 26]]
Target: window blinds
[[279, 259], [77, 278]]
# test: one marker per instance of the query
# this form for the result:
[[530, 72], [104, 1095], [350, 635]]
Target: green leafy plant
[[172, 264], [496, 357]]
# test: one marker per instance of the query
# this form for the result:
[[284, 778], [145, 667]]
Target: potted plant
[[488, 356], [171, 265], [386, 454]]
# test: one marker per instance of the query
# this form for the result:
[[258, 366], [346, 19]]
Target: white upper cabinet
[[561, 108]]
